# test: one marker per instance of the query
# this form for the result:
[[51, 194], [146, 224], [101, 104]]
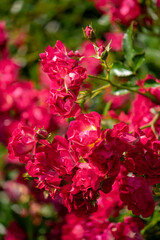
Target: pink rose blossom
[[136, 193], [22, 143], [84, 132], [63, 103]]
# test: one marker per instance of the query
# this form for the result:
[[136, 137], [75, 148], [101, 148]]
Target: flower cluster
[[22, 102], [89, 160], [67, 76], [97, 161]]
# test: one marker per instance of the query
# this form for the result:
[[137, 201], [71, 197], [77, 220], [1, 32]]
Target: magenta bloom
[[63, 103], [9, 72], [22, 143], [86, 178], [59, 157], [84, 132], [119, 10], [62, 67], [89, 32], [136, 193], [142, 157], [116, 39], [92, 64], [127, 230]]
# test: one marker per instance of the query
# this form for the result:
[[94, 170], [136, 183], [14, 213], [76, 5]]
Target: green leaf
[[138, 60], [128, 45], [121, 70], [120, 92]]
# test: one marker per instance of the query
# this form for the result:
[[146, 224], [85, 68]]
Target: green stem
[[101, 88], [146, 94], [98, 78], [151, 124], [95, 92]]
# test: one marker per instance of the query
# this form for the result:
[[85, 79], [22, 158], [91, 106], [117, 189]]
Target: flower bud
[[89, 33], [42, 134]]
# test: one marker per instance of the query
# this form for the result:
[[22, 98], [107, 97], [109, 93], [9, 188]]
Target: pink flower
[[86, 178], [36, 116], [22, 143], [7, 126], [136, 193], [63, 103], [59, 157], [62, 66], [52, 164], [84, 132], [116, 39], [106, 159], [92, 64], [24, 95], [78, 201], [74, 79], [127, 230], [109, 204], [73, 229], [9, 72], [142, 157], [101, 50], [89, 32], [119, 10]]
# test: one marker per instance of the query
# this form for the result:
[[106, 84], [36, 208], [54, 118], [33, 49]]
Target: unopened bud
[[103, 51], [42, 134], [89, 32]]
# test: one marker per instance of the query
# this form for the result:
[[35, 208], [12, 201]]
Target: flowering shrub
[[84, 146]]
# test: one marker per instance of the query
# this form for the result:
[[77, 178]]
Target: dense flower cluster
[[86, 162], [22, 102], [67, 76], [89, 160], [91, 165]]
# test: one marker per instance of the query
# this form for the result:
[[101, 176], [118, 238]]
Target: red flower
[[62, 68], [22, 143], [137, 194], [119, 10], [86, 178], [89, 32], [63, 103], [84, 132]]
